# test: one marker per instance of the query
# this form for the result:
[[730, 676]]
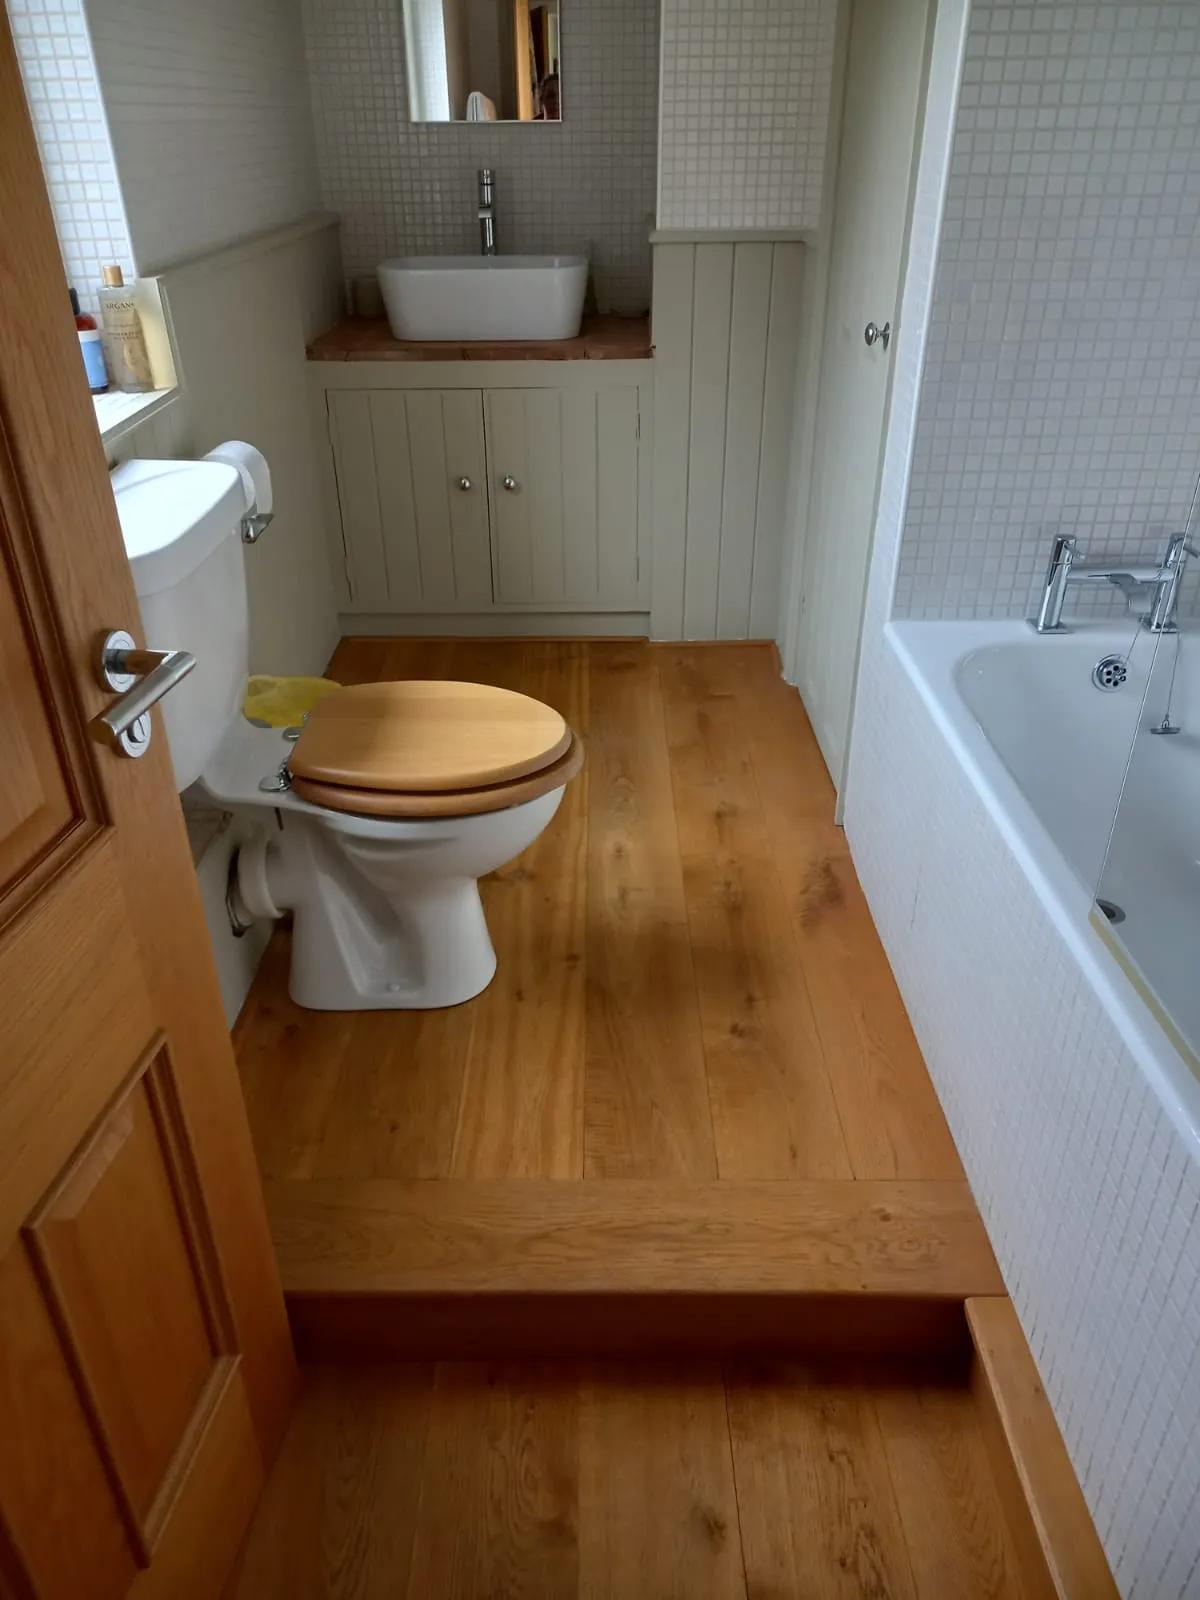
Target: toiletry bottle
[[124, 342], [91, 344]]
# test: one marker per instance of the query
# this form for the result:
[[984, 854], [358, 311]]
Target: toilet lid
[[427, 737]]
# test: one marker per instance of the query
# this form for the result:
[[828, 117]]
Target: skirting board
[[497, 624]]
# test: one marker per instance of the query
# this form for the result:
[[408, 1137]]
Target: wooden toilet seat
[[431, 749]]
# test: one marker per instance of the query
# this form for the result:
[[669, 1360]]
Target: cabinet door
[[563, 474], [416, 539]]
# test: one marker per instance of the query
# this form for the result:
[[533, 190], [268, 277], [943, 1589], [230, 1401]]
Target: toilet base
[[436, 953], [386, 916]]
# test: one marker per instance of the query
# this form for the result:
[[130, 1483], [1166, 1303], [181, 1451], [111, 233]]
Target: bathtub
[[1048, 754]]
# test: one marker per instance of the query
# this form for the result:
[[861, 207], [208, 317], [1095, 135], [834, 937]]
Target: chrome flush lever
[[140, 678]]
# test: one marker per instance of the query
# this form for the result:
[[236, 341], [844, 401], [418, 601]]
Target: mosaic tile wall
[[744, 120], [63, 92], [1062, 386], [208, 107], [585, 185]]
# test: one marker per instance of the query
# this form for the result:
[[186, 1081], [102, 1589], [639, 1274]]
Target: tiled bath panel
[[1061, 391], [1091, 1198], [584, 185]]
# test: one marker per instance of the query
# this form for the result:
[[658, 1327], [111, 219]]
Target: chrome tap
[[1166, 600], [1129, 576], [487, 216]]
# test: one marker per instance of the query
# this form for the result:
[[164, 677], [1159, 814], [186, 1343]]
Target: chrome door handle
[[510, 484], [140, 678], [464, 483], [873, 332]]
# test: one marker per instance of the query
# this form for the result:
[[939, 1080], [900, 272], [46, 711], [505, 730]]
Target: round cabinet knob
[[510, 484], [464, 484], [873, 333]]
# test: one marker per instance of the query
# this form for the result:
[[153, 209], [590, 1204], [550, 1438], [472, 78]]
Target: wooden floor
[[688, 1117], [466, 1482], [690, 986]]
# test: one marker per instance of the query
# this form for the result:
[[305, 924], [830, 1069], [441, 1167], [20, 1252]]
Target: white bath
[[1047, 752]]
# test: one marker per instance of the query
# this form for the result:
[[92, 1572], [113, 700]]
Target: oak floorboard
[[499, 1501], [291, 1067], [339, 1511], [618, 1480], [658, 1507], [890, 1117], [773, 1108], [399, 1089], [361, 660], [818, 1513], [522, 1106], [647, 1111], [954, 1524]]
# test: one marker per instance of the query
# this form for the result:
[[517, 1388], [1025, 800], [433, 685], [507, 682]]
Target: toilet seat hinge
[[278, 782]]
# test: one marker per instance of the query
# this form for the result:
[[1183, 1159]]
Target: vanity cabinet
[[412, 491], [515, 497]]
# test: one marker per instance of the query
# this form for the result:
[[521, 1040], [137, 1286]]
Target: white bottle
[[124, 341]]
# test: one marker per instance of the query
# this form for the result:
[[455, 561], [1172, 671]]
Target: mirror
[[483, 60]]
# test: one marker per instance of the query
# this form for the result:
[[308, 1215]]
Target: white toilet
[[396, 798]]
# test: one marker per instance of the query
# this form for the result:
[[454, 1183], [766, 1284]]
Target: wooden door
[[885, 74], [563, 481], [145, 1364], [412, 488]]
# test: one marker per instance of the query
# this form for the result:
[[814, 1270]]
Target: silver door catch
[[873, 332]]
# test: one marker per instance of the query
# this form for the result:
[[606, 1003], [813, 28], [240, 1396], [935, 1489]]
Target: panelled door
[[563, 480], [885, 71], [145, 1364], [412, 488]]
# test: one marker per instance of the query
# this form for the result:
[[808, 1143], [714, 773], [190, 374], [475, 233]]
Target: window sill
[[117, 413]]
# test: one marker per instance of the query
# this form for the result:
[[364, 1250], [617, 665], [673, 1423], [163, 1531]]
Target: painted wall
[[208, 108], [401, 187], [1061, 391], [1090, 1197], [744, 118]]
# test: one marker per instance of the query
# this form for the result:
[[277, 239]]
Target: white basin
[[484, 297]]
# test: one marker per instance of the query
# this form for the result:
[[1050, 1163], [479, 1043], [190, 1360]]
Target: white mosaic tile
[[61, 86], [744, 115], [410, 188], [1062, 385]]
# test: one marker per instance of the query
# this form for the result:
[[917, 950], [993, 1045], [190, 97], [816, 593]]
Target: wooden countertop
[[600, 339]]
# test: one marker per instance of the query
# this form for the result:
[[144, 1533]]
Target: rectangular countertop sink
[[484, 297]]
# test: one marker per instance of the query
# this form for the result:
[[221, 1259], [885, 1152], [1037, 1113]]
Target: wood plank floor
[[689, 988], [633, 1482]]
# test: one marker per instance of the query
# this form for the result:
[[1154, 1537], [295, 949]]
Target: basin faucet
[[487, 216], [1129, 576]]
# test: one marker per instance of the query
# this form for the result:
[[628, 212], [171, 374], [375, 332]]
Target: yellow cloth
[[282, 702]]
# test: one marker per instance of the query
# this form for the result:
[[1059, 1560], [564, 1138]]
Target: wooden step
[[457, 1268], [1042, 1497]]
